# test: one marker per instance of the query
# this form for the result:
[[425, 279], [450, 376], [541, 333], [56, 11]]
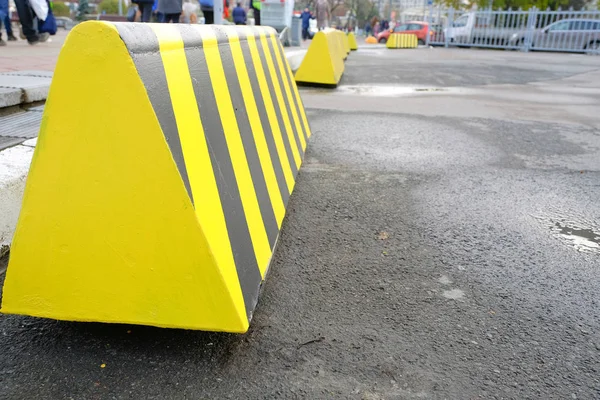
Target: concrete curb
[[22, 87], [14, 166]]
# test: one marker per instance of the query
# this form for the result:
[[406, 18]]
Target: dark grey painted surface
[[235, 218], [260, 186]]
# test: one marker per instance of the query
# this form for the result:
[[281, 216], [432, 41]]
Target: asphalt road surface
[[442, 242]]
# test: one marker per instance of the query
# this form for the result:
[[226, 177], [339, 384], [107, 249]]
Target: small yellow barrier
[[323, 64], [402, 41], [352, 41]]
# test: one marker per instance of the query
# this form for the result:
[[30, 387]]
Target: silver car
[[566, 35]]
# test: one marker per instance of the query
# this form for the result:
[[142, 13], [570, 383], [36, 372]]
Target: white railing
[[567, 31]]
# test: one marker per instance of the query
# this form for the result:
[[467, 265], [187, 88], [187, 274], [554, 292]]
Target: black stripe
[[237, 226], [277, 106], [285, 100], [264, 119], [243, 122], [143, 47], [295, 100]]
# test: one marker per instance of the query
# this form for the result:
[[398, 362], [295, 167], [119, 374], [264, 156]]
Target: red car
[[418, 28]]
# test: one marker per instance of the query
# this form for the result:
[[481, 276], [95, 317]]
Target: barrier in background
[[371, 40], [157, 197], [352, 41], [323, 64], [402, 41], [345, 43]]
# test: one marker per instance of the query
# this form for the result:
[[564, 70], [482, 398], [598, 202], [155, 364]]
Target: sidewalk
[[19, 55]]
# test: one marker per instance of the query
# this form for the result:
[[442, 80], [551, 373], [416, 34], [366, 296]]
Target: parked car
[[418, 28], [566, 34], [489, 28], [436, 34]]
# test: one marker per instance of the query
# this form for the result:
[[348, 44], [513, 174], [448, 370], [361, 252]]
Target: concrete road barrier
[[165, 161], [402, 41], [323, 64], [352, 41]]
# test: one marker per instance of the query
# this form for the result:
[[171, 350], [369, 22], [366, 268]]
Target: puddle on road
[[582, 239], [575, 231], [392, 91]]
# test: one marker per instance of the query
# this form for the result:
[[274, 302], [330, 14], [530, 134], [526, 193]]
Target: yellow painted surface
[[282, 66], [256, 126], [371, 40], [297, 95], [402, 41], [107, 231], [270, 108], [345, 42], [323, 63], [352, 41], [256, 226], [280, 100], [196, 155]]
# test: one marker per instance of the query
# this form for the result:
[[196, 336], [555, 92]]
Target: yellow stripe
[[256, 226], [279, 95], [282, 67], [197, 159], [256, 126], [270, 108], [298, 98]]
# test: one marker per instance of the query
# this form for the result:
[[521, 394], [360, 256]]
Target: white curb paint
[[14, 166]]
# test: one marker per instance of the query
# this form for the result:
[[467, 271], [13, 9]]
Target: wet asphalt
[[422, 257]]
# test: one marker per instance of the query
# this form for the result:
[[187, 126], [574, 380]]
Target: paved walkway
[[19, 56]]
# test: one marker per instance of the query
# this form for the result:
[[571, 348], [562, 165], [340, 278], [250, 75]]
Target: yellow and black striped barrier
[[165, 161], [352, 41], [323, 64], [402, 41]]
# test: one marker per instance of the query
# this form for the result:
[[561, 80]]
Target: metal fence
[[565, 31]]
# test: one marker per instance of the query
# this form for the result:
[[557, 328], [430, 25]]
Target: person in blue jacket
[[239, 15], [306, 16]]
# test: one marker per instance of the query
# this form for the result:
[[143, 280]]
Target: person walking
[[306, 16], [3, 14], [207, 7], [323, 14], [256, 9], [145, 9], [27, 18], [189, 12], [169, 10], [8, 26], [239, 15]]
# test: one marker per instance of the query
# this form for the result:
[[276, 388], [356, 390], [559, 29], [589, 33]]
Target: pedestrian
[[189, 12], [8, 26], [27, 18], [239, 15], [207, 7], [255, 4], [169, 10], [367, 29], [145, 9], [306, 16], [323, 14], [3, 14]]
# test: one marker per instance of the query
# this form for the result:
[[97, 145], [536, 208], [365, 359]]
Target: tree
[[109, 6], [83, 9], [361, 11], [61, 9]]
